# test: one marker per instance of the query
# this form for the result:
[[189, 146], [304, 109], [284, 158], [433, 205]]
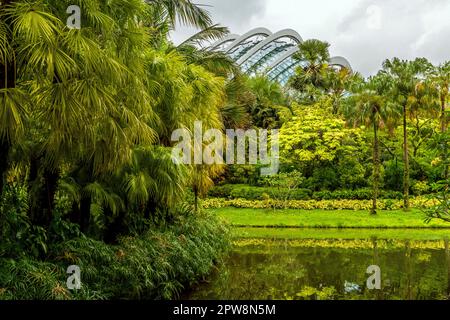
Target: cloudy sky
[[364, 31]]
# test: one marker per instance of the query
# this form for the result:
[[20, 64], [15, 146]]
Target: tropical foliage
[[87, 174]]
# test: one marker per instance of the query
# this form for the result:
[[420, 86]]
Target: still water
[[314, 269]]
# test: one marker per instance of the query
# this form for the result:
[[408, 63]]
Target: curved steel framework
[[260, 50]]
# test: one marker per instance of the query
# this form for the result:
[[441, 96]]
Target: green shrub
[[19, 237], [314, 204], [239, 191], [230, 191], [420, 188], [157, 265], [359, 194]]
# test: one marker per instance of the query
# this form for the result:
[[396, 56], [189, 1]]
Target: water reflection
[[319, 269]]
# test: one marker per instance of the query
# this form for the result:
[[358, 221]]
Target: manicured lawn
[[325, 219], [344, 234]]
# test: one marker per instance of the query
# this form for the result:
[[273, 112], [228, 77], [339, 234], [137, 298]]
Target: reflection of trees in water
[[447, 260], [283, 272]]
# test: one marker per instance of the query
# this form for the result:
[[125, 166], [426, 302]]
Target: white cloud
[[366, 32]]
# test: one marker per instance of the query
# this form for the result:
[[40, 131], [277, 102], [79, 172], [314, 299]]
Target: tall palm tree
[[309, 80], [13, 101], [102, 98], [184, 11], [338, 83], [441, 80], [405, 78], [367, 105], [163, 16], [84, 85], [195, 50]]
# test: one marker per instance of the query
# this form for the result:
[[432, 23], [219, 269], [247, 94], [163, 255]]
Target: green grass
[[292, 218], [344, 234]]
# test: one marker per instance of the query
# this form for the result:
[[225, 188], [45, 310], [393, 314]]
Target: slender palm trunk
[[376, 169], [195, 200], [443, 114], [406, 162], [444, 130], [446, 177]]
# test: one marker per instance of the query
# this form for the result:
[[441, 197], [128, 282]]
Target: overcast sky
[[364, 31]]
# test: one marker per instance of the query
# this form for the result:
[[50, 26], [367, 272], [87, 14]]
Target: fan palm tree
[[368, 106], [102, 98], [309, 80], [13, 101], [441, 81], [405, 78], [84, 87], [338, 83]]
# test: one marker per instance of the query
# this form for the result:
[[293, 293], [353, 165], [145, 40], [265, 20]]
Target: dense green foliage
[[344, 134], [86, 171], [155, 265], [87, 174], [234, 191]]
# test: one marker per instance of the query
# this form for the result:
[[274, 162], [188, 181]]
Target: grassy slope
[[325, 219]]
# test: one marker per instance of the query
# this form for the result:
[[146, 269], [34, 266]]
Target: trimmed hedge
[[213, 203], [235, 191], [240, 191], [359, 194]]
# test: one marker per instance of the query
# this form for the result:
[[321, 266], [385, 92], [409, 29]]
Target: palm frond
[[212, 33]]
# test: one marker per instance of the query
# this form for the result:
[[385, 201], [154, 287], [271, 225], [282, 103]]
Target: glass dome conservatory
[[260, 50]]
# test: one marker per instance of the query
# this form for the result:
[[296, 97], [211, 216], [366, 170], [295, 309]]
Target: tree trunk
[[85, 213], [75, 214], [4, 151], [443, 114], [150, 209], [376, 169], [406, 162], [116, 228], [195, 200], [43, 200], [51, 184]]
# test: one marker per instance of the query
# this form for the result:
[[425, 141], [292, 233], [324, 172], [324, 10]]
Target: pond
[[319, 268]]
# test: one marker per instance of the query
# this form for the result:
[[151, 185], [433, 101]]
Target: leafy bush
[[360, 194], [230, 191], [18, 236], [156, 265], [242, 174], [351, 173], [393, 175], [258, 193], [314, 205], [420, 188]]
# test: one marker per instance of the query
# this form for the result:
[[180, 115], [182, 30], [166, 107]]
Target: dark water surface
[[329, 269]]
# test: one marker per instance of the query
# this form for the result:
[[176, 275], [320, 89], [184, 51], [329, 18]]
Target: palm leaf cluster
[[86, 115]]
